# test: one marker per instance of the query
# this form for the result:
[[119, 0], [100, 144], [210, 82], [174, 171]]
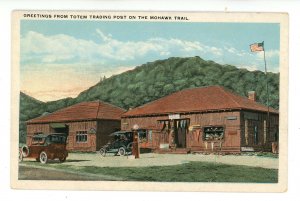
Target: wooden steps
[[233, 150], [172, 151]]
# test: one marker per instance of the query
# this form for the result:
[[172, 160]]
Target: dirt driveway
[[151, 159]]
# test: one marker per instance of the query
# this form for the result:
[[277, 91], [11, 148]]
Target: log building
[[206, 119], [87, 124]]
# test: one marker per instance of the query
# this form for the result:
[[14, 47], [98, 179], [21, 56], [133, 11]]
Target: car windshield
[[57, 139]]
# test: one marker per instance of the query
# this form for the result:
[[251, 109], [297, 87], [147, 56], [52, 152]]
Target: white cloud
[[269, 54], [216, 51], [103, 36], [61, 48], [249, 67], [56, 48], [272, 53]]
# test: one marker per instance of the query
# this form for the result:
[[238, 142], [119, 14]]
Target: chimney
[[252, 95]]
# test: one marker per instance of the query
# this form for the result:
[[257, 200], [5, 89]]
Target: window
[[58, 139], [150, 135], [246, 132], [276, 133], [255, 134], [37, 140], [145, 135], [142, 135], [213, 133], [81, 136], [265, 131]]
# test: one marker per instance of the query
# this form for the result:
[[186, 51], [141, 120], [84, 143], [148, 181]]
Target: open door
[[60, 128], [181, 128]]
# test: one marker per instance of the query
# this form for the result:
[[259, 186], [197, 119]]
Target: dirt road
[[151, 159]]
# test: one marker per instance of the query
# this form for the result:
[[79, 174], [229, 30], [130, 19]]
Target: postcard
[[149, 101]]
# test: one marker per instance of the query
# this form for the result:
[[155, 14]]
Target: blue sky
[[79, 52]]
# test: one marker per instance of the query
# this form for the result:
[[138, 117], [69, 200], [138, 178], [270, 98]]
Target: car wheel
[[25, 151], [62, 159], [43, 157], [129, 147], [102, 151], [20, 156], [122, 151]]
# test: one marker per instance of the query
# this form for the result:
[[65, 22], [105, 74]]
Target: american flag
[[256, 47]]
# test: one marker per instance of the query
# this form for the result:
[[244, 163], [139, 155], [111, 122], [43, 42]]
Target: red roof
[[82, 111], [212, 98]]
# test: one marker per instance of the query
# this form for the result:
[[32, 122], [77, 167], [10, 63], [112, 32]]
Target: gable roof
[[203, 99], [82, 111]]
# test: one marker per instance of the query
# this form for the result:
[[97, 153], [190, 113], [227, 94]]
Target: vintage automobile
[[120, 144], [46, 146]]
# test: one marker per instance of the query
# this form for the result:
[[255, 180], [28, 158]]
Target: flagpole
[[267, 86]]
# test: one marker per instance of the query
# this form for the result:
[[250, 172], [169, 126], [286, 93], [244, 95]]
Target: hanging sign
[[92, 131], [174, 116]]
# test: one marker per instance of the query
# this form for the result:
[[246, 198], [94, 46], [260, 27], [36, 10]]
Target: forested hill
[[156, 79]]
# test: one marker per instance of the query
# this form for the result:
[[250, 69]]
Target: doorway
[[60, 128], [180, 129]]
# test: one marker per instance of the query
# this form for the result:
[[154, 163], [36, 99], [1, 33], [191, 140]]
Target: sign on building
[[174, 116]]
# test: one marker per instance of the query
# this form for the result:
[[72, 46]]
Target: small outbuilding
[[87, 124], [206, 119]]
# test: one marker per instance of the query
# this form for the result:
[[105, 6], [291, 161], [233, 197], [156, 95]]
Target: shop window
[[81, 136], [213, 133]]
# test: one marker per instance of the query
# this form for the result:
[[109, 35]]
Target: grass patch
[[188, 172], [191, 172]]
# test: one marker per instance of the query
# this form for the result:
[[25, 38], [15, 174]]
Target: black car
[[120, 143]]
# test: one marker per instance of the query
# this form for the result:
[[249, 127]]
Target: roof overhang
[[195, 112], [58, 125]]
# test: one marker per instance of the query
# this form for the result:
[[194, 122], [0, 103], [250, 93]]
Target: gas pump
[[135, 144]]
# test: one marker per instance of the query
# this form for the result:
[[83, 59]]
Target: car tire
[[25, 151], [129, 147], [43, 157], [102, 152], [122, 151], [62, 159], [20, 156]]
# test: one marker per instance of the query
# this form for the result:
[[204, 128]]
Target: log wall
[[194, 138], [265, 139], [94, 141]]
